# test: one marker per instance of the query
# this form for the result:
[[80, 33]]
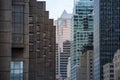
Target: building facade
[[14, 39], [82, 27], [5, 30], [57, 62], [41, 43], [63, 33], [83, 67], [63, 28], [64, 59], [116, 62], [90, 65], [106, 34], [27, 41], [86, 64], [108, 71]]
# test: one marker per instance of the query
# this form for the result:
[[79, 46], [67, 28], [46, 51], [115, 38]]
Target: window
[[31, 47], [17, 70], [17, 38], [30, 19], [31, 38], [17, 23], [31, 28]]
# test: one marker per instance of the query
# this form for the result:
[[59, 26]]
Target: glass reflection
[[17, 70]]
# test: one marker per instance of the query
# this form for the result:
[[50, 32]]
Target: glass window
[[17, 38], [17, 70], [30, 19], [17, 23], [31, 28], [31, 47]]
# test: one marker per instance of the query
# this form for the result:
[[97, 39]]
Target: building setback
[[42, 43], [27, 41], [106, 33]]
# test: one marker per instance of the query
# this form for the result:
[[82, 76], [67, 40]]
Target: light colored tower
[[63, 33], [108, 71], [82, 27]]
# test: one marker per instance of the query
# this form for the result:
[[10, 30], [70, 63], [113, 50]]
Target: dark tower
[[106, 33]]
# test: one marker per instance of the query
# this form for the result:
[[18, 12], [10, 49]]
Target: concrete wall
[[5, 39]]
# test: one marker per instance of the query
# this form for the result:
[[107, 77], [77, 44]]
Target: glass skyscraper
[[81, 29], [106, 33]]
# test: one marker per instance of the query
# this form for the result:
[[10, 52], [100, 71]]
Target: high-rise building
[[63, 33], [86, 63], [63, 29], [106, 33], [116, 62], [41, 43], [64, 59], [14, 39], [82, 27], [27, 41], [83, 67], [108, 71]]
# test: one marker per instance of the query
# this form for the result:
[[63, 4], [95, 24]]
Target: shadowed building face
[[106, 33]]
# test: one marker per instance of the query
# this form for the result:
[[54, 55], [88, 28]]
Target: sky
[[56, 7]]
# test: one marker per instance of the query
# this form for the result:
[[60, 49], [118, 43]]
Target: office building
[[42, 43], [14, 39], [64, 59], [82, 27], [63, 28], [83, 67], [108, 71], [90, 65], [106, 33], [27, 41], [63, 33], [116, 62], [86, 63]]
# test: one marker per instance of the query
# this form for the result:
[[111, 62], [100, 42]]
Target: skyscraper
[[106, 33], [63, 29], [41, 43], [82, 27], [27, 41], [63, 33], [64, 59], [14, 39]]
